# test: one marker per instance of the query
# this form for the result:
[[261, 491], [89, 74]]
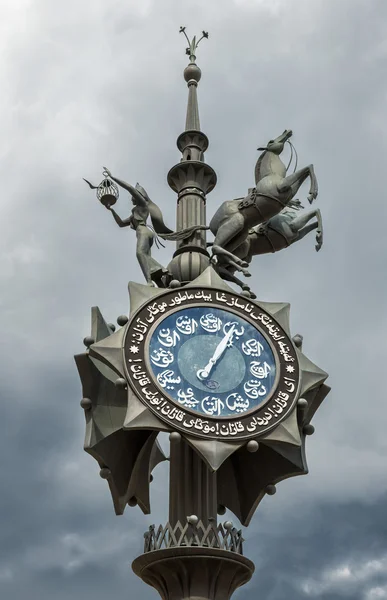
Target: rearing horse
[[278, 233], [273, 191]]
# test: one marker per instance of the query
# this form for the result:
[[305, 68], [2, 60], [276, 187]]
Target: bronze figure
[[146, 235]]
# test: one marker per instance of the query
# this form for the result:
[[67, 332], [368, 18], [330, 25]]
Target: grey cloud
[[90, 84]]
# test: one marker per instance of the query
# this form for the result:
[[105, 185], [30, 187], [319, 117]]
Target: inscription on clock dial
[[212, 361]]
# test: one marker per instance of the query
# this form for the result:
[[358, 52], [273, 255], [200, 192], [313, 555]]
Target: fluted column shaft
[[191, 210], [192, 486]]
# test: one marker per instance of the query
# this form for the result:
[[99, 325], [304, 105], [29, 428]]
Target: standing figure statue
[[277, 233], [273, 191], [146, 235]]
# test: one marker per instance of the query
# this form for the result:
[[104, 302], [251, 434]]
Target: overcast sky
[[90, 83]]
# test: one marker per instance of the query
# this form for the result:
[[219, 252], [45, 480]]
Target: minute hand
[[220, 348]]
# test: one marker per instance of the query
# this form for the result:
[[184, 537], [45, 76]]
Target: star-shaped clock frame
[[243, 475]]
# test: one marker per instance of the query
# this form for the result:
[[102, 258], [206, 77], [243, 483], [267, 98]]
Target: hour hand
[[220, 348], [204, 373]]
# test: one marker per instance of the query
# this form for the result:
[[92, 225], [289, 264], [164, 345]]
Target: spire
[[192, 75], [192, 143], [192, 179], [192, 121]]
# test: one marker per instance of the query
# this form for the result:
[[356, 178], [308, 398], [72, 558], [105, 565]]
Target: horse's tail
[[183, 234]]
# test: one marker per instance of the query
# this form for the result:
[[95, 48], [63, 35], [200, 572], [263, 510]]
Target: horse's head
[[277, 145]]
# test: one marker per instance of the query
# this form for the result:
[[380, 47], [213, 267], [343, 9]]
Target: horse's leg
[[220, 251], [228, 276], [307, 229], [319, 232], [295, 181], [301, 220], [317, 225], [313, 191], [225, 235], [233, 264], [229, 259]]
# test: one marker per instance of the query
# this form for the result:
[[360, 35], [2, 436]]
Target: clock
[[211, 363]]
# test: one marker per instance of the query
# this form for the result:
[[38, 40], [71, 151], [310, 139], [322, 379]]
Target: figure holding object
[[143, 208]]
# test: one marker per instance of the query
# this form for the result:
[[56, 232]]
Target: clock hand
[[220, 348]]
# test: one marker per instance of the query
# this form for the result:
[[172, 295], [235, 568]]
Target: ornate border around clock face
[[180, 415]]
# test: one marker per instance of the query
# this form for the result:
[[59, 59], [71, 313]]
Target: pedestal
[[194, 573]]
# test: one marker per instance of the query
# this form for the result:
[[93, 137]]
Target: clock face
[[212, 361]]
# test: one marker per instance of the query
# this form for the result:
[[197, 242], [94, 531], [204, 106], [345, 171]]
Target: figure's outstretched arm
[[121, 222], [140, 200], [91, 185]]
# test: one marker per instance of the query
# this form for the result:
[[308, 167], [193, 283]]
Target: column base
[[194, 573]]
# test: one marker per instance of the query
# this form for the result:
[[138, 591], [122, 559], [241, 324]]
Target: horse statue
[[277, 233], [273, 192]]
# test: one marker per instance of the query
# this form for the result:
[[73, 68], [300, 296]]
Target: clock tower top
[[191, 178]]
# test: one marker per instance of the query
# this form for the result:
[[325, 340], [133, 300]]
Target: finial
[[193, 44]]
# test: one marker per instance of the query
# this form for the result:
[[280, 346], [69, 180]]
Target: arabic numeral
[[210, 323], [233, 327], [259, 370], [185, 325], [236, 403], [167, 379], [252, 347], [168, 339], [212, 406], [254, 389], [162, 358], [187, 398]]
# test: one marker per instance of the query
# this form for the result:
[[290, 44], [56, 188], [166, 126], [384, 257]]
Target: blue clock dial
[[212, 361]]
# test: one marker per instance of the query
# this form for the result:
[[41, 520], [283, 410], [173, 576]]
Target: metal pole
[[192, 486]]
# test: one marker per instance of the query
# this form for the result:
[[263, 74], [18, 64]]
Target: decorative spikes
[[109, 352], [210, 278], [194, 533], [285, 432], [280, 311], [99, 328], [213, 452], [139, 294], [311, 375], [138, 416]]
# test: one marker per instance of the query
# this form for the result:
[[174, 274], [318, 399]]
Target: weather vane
[[209, 364], [193, 44]]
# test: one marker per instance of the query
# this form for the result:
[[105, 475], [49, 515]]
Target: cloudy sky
[[90, 83]]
